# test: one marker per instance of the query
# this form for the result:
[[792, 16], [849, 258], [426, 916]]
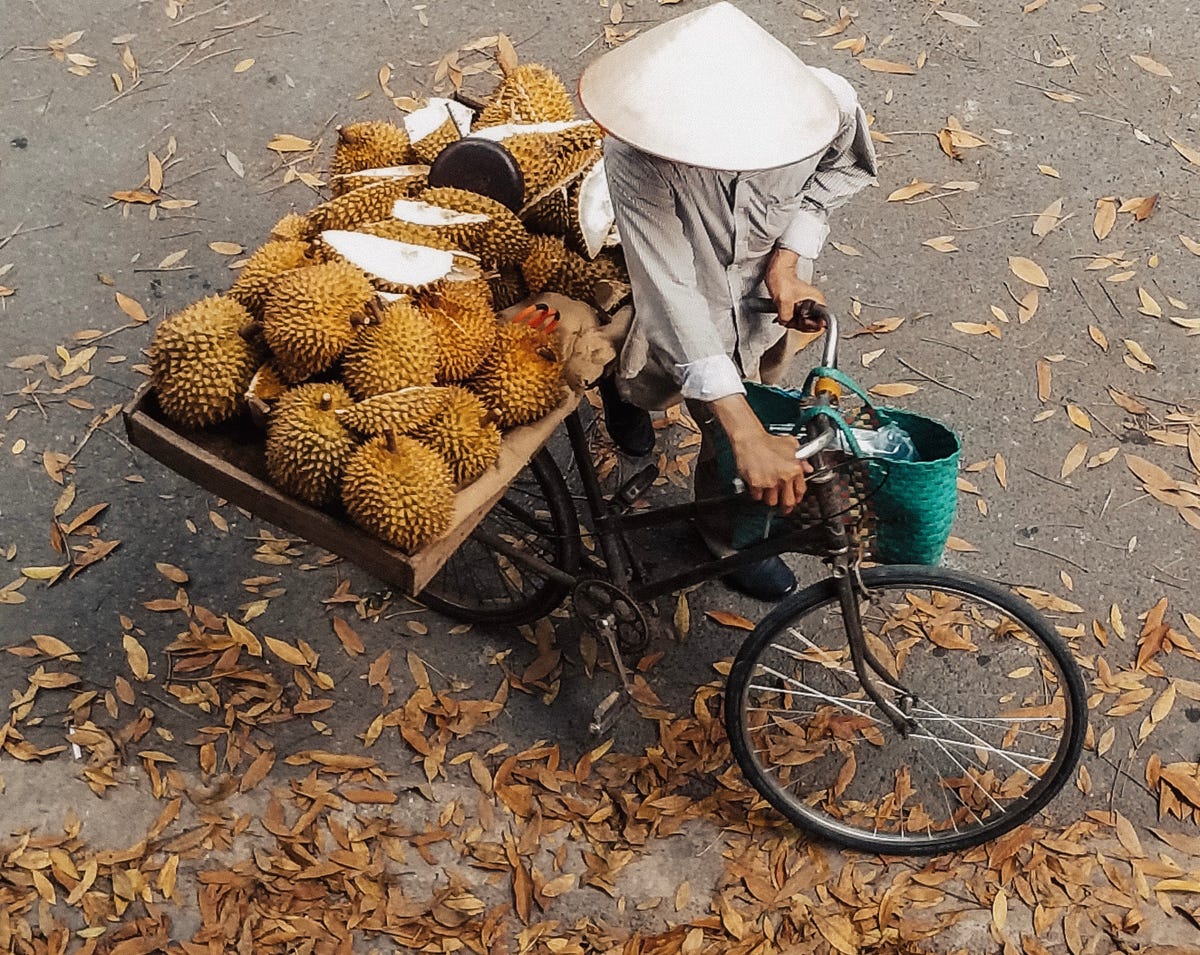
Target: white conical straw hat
[[711, 88]]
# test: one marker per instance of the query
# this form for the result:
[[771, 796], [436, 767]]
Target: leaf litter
[[322, 876]]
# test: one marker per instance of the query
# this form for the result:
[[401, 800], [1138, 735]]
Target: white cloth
[[697, 242]]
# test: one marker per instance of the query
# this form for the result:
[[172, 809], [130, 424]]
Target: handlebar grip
[[807, 309]]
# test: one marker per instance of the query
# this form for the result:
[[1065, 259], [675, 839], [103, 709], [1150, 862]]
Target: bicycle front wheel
[[996, 704]]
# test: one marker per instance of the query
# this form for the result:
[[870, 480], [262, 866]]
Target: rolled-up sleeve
[[847, 168], [675, 317]]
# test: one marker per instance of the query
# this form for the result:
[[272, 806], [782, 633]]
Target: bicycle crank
[[610, 613]]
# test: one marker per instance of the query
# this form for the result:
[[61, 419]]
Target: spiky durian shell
[[369, 203], [464, 434], [401, 412], [504, 241], [308, 316], [268, 261], [370, 144], [542, 155], [551, 266], [307, 445], [529, 94], [312, 395], [521, 378], [464, 338], [404, 496], [411, 232], [549, 215], [291, 226], [472, 294], [340, 185], [508, 287], [426, 148], [200, 364], [398, 352]]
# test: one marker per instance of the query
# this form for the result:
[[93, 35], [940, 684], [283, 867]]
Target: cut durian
[[397, 352], [261, 269], [307, 445], [503, 241], [436, 125], [309, 316], [369, 145], [531, 93], [540, 149], [464, 434], [369, 177], [368, 203], [590, 214], [521, 379], [200, 364], [400, 490], [399, 264], [403, 412]]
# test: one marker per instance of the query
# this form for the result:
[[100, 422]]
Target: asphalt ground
[[1090, 104]]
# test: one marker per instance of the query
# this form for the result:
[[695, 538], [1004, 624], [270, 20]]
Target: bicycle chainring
[[605, 608]]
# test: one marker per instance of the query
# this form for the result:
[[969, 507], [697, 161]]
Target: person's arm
[[847, 167], [765, 462]]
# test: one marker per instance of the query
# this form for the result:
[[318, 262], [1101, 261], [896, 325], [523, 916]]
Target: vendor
[[724, 155]]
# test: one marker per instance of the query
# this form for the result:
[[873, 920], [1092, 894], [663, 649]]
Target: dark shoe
[[628, 425], [769, 580]]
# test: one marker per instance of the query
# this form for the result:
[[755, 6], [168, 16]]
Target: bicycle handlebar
[[766, 306]]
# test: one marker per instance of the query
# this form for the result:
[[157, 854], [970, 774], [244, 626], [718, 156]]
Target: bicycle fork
[[850, 590]]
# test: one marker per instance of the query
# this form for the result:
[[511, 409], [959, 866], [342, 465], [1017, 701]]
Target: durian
[[395, 266], [370, 144], [399, 490], [551, 266], [340, 185], [309, 316], [531, 93], [403, 411], [464, 434], [505, 241], [307, 445], [400, 351], [521, 379], [268, 261], [291, 226], [368, 203], [508, 287], [432, 128], [464, 337], [541, 149], [200, 364]]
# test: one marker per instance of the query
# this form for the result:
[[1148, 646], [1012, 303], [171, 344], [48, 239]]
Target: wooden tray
[[229, 461]]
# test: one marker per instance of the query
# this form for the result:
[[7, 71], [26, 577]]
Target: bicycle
[[893, 709]]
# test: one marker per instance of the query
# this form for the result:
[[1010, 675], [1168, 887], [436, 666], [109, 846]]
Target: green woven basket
[[912, 503]]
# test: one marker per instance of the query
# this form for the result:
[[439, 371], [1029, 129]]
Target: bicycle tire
[[752, 727], [480, 585]]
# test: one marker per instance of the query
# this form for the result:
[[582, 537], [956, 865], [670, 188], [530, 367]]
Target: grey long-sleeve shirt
[[697, 242]]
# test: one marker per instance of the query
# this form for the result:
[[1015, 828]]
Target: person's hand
[[789, 290], [767, 464]]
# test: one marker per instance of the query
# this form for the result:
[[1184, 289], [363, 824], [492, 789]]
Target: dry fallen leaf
[[1028, 271], [727, 619], [894, 390], [886, 66], [1149, 64]]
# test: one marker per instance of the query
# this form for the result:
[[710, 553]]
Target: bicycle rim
[[998, 708], [537, 517]]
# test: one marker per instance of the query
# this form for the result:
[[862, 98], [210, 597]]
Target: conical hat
[[711, 88]]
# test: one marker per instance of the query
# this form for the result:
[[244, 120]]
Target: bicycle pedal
[[633, 489]]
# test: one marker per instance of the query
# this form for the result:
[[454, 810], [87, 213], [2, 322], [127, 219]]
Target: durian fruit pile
[[363, 335]]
